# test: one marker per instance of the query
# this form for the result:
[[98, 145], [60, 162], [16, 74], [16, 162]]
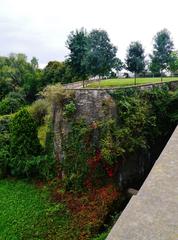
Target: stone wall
[[95, 105]]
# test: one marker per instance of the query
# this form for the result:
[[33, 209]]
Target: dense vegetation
[[83, 179], [95, 150], [26, 213]]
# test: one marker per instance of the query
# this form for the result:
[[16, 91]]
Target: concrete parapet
[[153, 213]]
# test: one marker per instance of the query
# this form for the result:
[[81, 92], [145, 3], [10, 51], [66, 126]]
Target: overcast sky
[[40, 27]]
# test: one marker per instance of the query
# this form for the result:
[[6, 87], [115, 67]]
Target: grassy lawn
[[26, 213], [127, 82]]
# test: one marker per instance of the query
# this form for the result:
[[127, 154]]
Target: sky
[[40, 27]]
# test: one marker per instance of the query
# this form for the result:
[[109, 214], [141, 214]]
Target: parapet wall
[[172, 86], [153, 213]]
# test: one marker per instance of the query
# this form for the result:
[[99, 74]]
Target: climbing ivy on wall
[[95, 151]]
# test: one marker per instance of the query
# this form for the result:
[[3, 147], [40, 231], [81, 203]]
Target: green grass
[[27, 213], [127, 82]]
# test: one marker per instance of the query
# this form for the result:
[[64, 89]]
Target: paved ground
[[153, 213]]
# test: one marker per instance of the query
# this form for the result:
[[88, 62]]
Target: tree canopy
[[162, 49], [101, 56], [135, 59]]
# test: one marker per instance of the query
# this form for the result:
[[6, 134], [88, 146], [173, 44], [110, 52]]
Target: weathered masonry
[[94, 105], [153, 213]]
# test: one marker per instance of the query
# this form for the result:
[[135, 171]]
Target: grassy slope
[[25, 213], [127, 81]]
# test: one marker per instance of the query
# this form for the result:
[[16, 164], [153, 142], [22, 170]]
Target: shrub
[[39, 110], [11, 103], [4, 153], [69, 109], [24, 142]]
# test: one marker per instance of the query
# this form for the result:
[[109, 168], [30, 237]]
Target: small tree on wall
[[135, 59]]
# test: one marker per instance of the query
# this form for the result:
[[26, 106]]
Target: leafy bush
[[69, 109], [39, 110], [24, 143], [4, 153], [11, 103], [4, 123]]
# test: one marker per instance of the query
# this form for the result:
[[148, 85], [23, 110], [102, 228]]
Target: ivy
[[77, 149]]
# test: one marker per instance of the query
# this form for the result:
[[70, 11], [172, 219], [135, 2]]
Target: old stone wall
[[95, 105]]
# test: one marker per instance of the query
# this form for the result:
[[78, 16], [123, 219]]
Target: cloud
[[40, 27]]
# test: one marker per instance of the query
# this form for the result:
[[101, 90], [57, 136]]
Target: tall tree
[[77, 43], [118, 66], [135, 59], [162, 49], [101, 56]]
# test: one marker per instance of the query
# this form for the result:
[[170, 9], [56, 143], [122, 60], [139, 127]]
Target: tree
[[154, 67], [118, 65], [16, 73], [53, 73], [163, 47], [173, 63], [101, 57], [77, 43], [135, 59]]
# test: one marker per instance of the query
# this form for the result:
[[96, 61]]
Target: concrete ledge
[[77, 86], [153, 213]]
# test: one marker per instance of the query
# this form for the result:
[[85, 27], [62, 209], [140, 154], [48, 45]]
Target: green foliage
[[4, 123], [127, 134], [135, 59], [4, 153], [11, 103], [77, 43], [26, 206], [57, 94], [39, 110], [163, 47], [53, 73], [77, 150], [142, 118], [69, 109], [173, 63], [101, 56], [24, 143], [4, 145], [102, 236], [17, 73], [5, 87], [173, 109], [159, 99]]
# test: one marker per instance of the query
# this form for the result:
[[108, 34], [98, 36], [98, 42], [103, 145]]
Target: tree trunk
[[99, 82], [135, 79]]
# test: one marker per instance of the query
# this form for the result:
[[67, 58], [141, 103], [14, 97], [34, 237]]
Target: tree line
[[90, 55]]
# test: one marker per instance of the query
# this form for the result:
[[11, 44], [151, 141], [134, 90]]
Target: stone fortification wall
[[95, 105]]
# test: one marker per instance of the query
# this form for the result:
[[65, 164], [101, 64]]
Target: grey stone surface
[[153, 213]]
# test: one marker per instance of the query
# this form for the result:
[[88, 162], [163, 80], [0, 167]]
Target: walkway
[[153, 213]]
